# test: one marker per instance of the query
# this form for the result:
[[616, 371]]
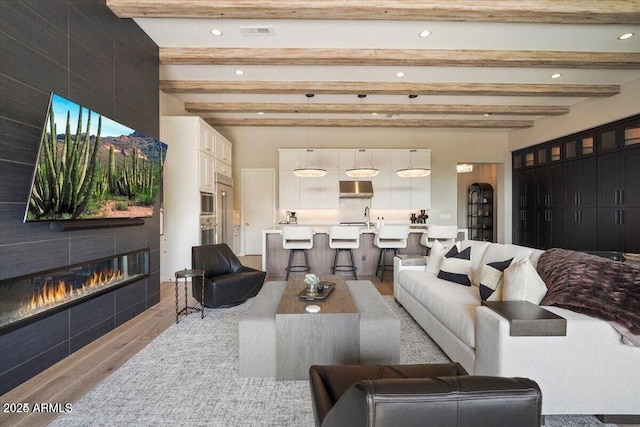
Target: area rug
[[188, 376]]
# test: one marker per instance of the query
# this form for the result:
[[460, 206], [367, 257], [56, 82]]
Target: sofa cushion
[[456, 266], [491, 280], [453, 306], [522, 283]]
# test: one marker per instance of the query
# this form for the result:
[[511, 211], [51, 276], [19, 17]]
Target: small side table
[[185, 274]]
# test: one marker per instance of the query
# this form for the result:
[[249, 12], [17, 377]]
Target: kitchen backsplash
[[351, 210]]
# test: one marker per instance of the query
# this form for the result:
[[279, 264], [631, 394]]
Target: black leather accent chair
[[439, 395], [227, 282]]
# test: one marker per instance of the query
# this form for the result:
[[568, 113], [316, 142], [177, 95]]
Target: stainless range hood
[[356, 189]]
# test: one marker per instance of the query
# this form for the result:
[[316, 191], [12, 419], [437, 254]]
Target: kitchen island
[[274, 259]]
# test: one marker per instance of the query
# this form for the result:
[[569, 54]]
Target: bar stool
[[446, 234], [389, 237], [297, 239], [344, 239]]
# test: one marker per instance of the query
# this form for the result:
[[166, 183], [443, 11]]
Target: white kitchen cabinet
[[223, 168], [308, 193], [420, 188], [399, 188], [410, 193], [329, 190], [223, 150], [381, 190], [189, 168], [389, 190], [289, 189], [206, 172], [207, 140]]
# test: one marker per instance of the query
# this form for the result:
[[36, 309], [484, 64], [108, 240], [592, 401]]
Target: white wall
[[255, 147], [171, 105]]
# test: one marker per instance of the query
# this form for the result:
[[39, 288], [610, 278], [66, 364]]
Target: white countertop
[[324, 228]]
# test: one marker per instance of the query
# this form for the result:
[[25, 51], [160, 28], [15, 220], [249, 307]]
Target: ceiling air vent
[[257, 31]]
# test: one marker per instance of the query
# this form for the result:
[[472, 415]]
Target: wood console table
[[527, 319]]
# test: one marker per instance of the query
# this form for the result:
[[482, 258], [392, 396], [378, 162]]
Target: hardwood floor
[[70, 379]]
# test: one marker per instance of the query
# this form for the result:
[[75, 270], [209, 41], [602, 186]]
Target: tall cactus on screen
[[67, 174]]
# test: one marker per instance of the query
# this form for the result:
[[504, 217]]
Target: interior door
[[258, 207]]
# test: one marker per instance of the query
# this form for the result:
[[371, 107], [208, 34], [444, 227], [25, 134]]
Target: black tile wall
[[33, 367], [30, 341], [17, 141], [23, 104], [90, 246], [130, 312], [91, 334], [21, 259], [82, 51], [128, 296], [55, 12], [48, 40], [93, 312]]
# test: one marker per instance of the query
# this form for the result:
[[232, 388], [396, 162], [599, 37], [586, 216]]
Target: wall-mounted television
[[91, 167]]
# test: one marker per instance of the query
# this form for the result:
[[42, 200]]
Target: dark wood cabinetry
[[580, 192]]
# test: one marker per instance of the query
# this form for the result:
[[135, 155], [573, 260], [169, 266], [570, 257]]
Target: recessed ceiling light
[[626, 36], [239, 72], [260, 112], [424, 33], [487, 114], [400, 74], [216, 32], [374, 114], [556, 76]]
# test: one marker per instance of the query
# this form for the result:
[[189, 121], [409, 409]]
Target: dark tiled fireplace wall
[[82, 51]]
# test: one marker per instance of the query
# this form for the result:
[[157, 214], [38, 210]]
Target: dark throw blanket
[[592, 285]]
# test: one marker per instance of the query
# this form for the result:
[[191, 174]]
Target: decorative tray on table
[[324, 290]]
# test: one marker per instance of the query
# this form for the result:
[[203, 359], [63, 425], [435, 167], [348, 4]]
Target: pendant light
[[412, 172], [309, 172], [361, 172]]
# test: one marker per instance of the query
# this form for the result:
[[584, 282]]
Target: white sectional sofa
[[588, 371]]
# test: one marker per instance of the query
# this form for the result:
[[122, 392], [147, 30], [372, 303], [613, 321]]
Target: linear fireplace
[[26, 299]]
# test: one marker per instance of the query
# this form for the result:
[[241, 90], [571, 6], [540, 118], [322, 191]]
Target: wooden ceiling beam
[[395, 123], [522, 11], [393, 57], [255, 107], [381, 88]]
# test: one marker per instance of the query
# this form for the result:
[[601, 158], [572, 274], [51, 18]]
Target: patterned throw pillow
[[491, 280], [456, 266]]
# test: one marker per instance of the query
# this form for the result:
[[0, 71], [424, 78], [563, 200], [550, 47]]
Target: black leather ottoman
[[439, 395]]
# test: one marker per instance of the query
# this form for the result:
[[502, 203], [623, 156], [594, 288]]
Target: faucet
[[367, 215]]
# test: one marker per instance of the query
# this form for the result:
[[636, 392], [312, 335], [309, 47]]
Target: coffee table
[[377, 340], [330, 337]]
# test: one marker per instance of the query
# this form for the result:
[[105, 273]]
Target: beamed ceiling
[[485, 63]]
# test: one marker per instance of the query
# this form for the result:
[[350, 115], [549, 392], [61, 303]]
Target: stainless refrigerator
[[224, 209]]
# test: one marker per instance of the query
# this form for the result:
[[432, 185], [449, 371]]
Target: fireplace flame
[[53, 294]]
